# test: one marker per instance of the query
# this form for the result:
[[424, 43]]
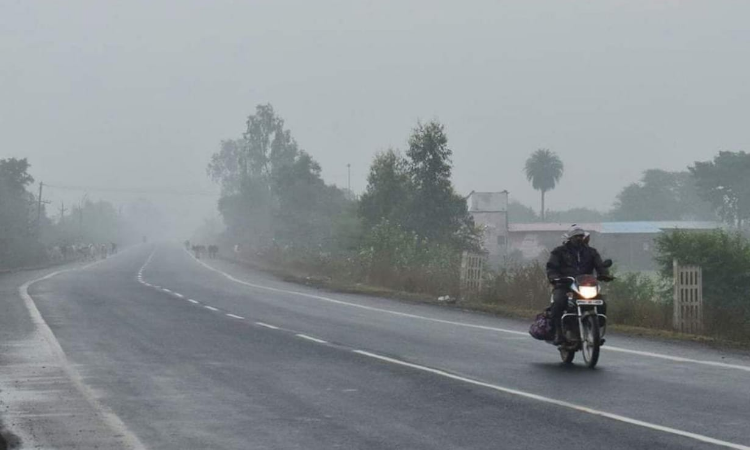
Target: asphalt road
[[153, 349]]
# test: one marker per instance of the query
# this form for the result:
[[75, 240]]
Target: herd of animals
[[86, 252], [201, 250], [91, 252]]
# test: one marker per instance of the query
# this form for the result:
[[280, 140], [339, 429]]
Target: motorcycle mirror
[[607, 263]]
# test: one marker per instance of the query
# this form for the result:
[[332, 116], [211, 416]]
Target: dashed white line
[[178, 295], [166, 290], [193, 301], [266, 325], [310, 338], [469, 325], [574, 406], [236, 317], [211, 308]]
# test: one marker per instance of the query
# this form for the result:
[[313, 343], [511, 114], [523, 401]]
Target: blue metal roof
[[654, 227]]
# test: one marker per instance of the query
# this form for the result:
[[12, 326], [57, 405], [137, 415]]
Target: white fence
[[688, 299], [472, 267]]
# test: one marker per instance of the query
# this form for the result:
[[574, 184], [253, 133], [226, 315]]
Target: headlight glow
[[588, 291]]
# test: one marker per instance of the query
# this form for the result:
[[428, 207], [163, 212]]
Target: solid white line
[[468, 325], [108, 416], [310, 338], [267, 325], [211, 308], [193, 301], [564, 404], [236, 317], [679, 359]]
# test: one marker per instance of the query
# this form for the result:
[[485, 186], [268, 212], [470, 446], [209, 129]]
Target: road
[[154, 349]]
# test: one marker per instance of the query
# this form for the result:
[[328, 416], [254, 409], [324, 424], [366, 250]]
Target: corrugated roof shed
[[642, 227]]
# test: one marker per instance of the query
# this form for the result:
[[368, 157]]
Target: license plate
[[589, 302]]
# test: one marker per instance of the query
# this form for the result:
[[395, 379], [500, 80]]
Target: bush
[[725, 260], [519, 286], [639, 300]]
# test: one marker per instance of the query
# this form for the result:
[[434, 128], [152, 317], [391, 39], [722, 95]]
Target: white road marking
[[564, 404], [678, 358], [236, 317], [193, 301], [310, 338], [266, 325], [166, 290], [211, 308], [178, 295], [468, 325], [108, 416]]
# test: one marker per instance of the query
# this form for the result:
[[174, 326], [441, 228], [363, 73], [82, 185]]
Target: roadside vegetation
[[404, 235]]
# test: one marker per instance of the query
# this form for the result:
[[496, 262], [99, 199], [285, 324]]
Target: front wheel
[[591, 340], [567, 355]]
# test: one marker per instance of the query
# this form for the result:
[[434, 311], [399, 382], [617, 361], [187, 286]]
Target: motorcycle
[[584, 322]]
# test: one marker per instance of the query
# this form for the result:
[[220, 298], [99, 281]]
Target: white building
[[490, 210]]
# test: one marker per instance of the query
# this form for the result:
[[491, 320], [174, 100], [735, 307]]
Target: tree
[[18, 243], [388, 190], [544, 169], [662, 195], [272, 192], [436, 212], [520, 213], [725, 183]]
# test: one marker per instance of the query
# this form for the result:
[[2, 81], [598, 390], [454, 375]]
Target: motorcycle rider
[[571, 259]]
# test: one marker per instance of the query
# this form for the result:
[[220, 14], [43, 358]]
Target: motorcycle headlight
[[588, 292]]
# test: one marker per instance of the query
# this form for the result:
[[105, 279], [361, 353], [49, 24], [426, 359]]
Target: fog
[[130, 100]]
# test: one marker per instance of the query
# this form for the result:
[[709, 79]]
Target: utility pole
[[39, 210], [349, 177], [62, 212]]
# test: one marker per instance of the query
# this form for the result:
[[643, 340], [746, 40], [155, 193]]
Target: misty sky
[[139, 93]]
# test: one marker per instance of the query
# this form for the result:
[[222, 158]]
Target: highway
[[152, 348]]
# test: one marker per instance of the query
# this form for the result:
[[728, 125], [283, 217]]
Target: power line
[[162, 191]]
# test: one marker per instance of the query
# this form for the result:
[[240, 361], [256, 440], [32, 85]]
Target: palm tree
[[544, 169]]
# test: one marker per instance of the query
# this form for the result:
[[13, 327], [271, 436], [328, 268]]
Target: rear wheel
[[567, 355], [591, 340]]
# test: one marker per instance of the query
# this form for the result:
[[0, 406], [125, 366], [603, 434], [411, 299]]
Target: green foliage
[[436, 212], [725, 183], [662, 195], [576, 215], [725, 260], [523, 286], [272, 192], [640, 300], [397, 258], [544, 169], [388, 190], [18, 239], [520, 213]]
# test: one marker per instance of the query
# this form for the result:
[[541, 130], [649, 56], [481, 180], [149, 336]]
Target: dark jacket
[[570, 261]]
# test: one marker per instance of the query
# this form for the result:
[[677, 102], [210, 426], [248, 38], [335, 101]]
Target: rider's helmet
[[575, 231]]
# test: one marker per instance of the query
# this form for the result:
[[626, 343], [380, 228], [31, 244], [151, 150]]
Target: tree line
[[409, 225], [28, 236], [715, 190]]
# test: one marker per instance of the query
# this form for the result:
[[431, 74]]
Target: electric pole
[[62, 212], [349, 177], [39, 207]]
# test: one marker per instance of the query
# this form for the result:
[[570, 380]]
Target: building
[[629, 244], [490, 211]]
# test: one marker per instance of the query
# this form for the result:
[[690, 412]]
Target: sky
[[131, 98]]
